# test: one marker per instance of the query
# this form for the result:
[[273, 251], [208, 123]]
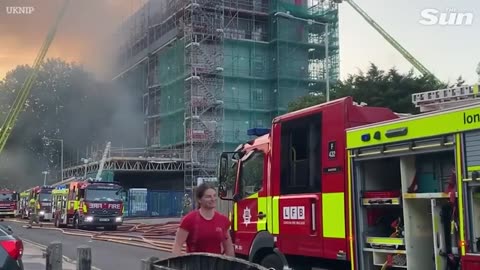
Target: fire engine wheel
[[272, 262]]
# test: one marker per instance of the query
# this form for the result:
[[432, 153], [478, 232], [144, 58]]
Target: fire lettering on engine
[[114, 206]]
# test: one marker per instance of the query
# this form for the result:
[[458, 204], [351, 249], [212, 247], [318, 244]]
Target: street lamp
[[45, 177], [327, 66], [61, 154], [85, 161]]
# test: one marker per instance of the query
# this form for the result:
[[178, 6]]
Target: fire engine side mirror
[[227, 168], [222, 176], [222, 191], [223, 169]]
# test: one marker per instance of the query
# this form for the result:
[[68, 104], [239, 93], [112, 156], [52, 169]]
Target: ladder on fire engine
[[446, 98], [102, 162]]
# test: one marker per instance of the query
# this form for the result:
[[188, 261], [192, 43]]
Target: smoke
[[106, 111], [68, 104], [19, 169], [87, 35]]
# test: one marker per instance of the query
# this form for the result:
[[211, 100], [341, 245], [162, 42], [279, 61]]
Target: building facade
[[208, 70]]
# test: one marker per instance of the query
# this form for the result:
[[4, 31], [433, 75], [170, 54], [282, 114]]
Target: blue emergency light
[[365, 137], [258, 131]]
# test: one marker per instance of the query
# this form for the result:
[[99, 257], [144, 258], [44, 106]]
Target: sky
[[446, 50]]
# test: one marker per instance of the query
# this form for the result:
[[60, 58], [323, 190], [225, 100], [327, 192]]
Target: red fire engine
[[340, 186], [88, 204], [43, 196], [290, 187], [8, 202]]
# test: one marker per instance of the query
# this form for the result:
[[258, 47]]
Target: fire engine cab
[[88, 203], [43, 196], [8, 202]]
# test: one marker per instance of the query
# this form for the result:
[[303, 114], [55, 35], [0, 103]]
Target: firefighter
[[187, 205], [34, 208]]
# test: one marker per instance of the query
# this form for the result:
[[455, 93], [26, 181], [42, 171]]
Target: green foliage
[[378, 88], [306, 101]]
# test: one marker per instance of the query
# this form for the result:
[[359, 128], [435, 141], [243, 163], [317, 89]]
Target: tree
[[66, 102], [377, 88], [306, 101]]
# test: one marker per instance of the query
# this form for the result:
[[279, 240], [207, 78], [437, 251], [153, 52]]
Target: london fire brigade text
[[294, 215]]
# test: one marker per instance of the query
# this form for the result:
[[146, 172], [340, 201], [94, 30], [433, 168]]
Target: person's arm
[[180, 238], [228, 245]]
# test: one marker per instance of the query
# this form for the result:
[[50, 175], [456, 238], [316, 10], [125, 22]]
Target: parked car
[[11, 249]]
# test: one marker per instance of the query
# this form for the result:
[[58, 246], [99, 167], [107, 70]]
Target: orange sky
[[86, 26]]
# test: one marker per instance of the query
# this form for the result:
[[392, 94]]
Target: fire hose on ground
[[154, 236]]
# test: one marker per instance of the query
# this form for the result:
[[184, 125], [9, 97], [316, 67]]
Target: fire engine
[[342, 186], [88, 203], [8, 202], [43, 196], [415, 186], [290, 200]]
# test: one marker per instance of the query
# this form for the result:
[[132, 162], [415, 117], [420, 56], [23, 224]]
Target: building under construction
[[209, 70]]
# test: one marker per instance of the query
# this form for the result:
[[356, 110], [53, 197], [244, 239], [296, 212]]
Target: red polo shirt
[[205, 235]]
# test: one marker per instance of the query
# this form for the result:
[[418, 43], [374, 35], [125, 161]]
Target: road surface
[[105, 255]]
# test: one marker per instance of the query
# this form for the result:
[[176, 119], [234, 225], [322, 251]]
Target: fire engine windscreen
[[45, 197], [109, 195], [6, 197]]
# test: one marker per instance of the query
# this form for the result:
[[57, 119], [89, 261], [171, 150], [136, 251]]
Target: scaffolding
[[209, 70], [203, 35]]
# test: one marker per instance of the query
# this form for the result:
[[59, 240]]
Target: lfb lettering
[[294, 212]]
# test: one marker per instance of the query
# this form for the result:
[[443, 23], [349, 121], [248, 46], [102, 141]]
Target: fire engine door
[[251, 211], [301, 203]]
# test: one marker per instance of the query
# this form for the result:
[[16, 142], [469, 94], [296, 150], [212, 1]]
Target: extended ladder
[[446, 98], [22, 96], [102, 162]]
